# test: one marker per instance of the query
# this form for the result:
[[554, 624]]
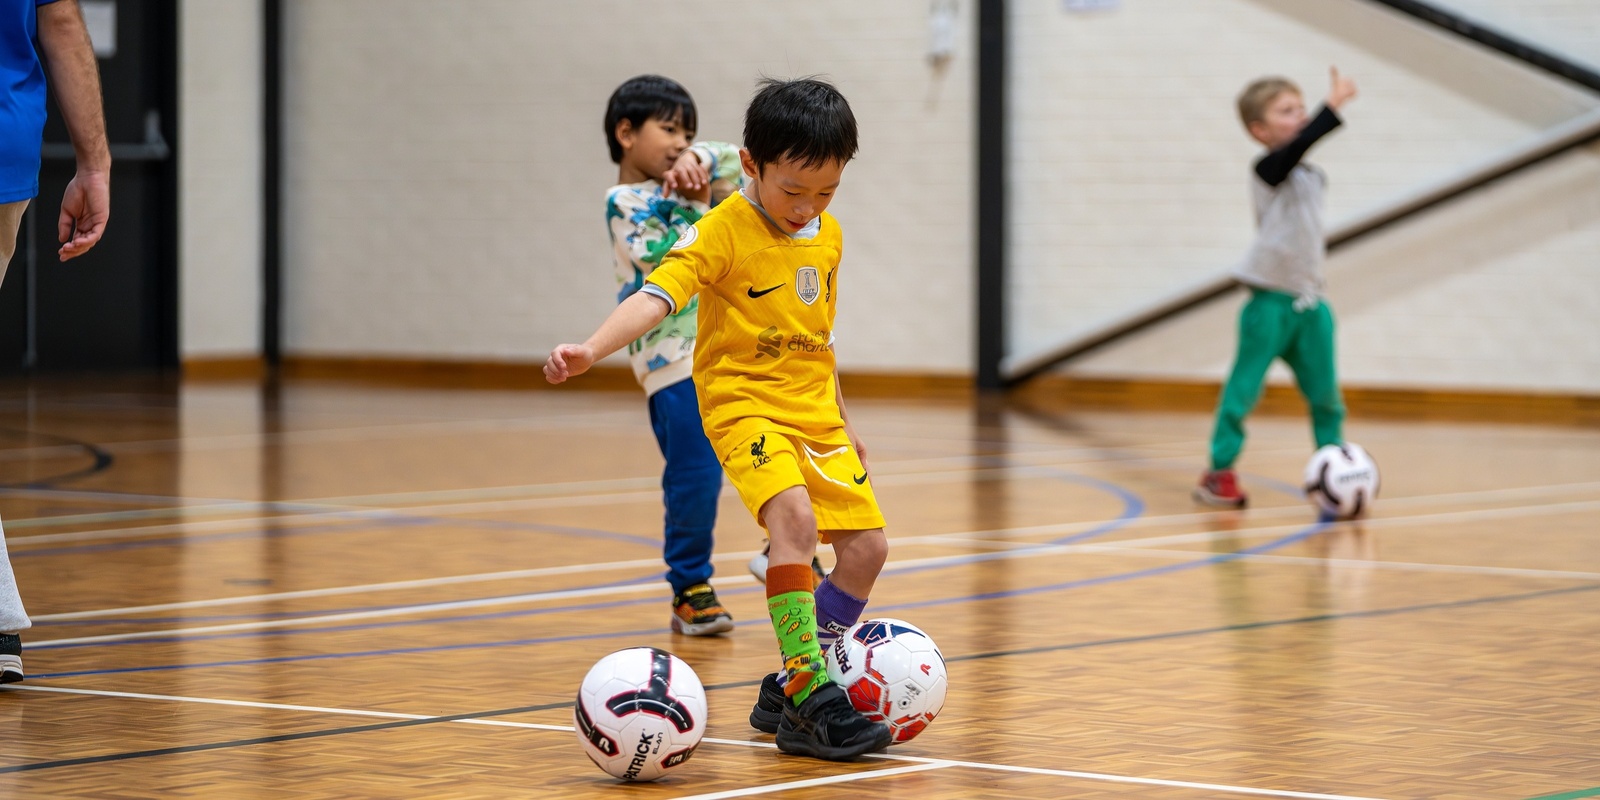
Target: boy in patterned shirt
[[664, 186], [764, 266]]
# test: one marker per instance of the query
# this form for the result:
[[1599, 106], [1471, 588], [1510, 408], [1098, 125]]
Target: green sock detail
[[794, 620]]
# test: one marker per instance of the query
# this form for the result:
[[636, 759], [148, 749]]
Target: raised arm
[[75, 79], [1274, 167], [632, 318]]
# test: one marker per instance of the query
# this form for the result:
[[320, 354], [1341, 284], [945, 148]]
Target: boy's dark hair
[[643, 98], [805, 119]]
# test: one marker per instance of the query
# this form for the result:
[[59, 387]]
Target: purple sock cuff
[[838, 607]]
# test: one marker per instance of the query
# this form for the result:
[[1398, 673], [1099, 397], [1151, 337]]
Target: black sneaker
[[768, 713], [11, 658], [826, 726]]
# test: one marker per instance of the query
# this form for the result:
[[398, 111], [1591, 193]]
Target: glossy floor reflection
[[328, 591]]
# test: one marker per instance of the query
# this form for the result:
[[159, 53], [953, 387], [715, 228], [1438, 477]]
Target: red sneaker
[[1220, 488]]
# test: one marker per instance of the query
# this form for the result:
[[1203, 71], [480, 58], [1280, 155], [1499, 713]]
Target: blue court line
[[1065, 585], [1133, 507]]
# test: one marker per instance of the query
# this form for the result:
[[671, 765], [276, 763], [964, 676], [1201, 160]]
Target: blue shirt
[[22, 108]]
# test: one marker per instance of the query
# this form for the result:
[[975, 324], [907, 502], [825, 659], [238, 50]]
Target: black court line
[[1275, 623], [103, 460], [1154, 637], [286, 737]]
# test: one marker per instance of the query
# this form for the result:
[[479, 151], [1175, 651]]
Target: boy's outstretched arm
[[632, 318]]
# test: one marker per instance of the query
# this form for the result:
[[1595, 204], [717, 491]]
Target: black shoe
[[768, 713], [11, 658], [826, 726]]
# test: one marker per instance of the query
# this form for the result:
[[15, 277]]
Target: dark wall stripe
[[272, 183], [991, 194]]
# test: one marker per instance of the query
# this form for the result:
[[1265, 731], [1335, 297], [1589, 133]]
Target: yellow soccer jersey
[[763, 357]]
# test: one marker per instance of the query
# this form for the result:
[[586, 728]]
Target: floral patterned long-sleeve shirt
[[644, 224]]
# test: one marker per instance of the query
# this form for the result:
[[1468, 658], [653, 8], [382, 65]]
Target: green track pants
[[1270, 328]]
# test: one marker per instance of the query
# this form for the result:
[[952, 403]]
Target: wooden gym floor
[[335, 591]]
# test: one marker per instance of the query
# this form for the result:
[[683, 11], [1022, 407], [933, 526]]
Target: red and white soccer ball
[[1342, 480], [893, 672], [640, 713]]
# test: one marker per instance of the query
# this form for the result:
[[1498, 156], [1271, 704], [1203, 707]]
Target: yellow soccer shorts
[[841, 494]]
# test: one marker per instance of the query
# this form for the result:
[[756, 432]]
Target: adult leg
[[13, 617]]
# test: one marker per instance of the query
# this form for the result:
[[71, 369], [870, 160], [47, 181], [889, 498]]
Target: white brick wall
[[447, 168], [1130, 168], [219, 166], [1499, 290]]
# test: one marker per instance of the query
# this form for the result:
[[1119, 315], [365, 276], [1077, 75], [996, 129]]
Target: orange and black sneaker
[[697, 612], [1220, 488]]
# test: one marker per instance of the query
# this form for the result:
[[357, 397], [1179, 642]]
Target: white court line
[[830, 780], [1100, 776], [420, 583], [399, 611], [959, 538], [1353, 563], [923, 763], [1123, 548]]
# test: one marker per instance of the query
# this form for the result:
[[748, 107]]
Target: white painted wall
[[1570, 28], [1131, 183], [219, 168], [446, 166]]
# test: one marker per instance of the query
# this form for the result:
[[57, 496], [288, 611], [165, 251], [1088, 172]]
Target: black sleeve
[[1274, 167]]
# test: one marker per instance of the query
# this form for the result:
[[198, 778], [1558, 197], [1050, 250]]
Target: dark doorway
[[116, 308]]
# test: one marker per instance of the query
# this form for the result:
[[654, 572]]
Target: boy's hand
[[861, 449], [688, 177], [568, 360], [1342, 91]]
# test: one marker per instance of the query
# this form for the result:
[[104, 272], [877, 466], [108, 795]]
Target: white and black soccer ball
[[640, 713], [1342, 480], [893, 672]]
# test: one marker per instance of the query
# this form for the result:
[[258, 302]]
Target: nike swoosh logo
[[754, 294], [860, 480]]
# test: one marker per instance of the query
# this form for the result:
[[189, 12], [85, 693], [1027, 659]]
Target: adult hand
[[85, 209], [568, 360]]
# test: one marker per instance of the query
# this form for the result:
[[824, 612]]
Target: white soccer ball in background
[[1342, 480], [640, 713], [893, 672]]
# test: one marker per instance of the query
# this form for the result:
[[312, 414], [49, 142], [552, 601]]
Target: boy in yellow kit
[[765, 266]]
